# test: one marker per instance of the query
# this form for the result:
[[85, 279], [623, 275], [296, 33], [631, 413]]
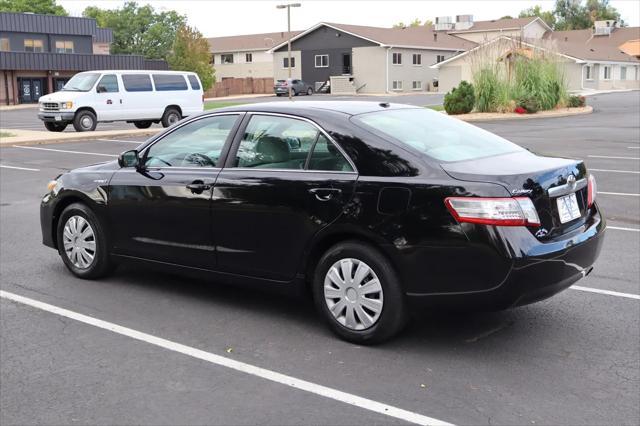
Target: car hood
[[61, 96]]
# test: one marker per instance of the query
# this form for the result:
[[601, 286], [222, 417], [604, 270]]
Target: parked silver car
[[297, 87]]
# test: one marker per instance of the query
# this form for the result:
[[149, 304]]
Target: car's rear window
[[435, 135]]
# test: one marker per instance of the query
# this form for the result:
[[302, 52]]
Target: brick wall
[[240, 86]]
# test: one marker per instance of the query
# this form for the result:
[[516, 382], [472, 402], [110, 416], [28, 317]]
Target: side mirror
[[129, 159], [101, 89]]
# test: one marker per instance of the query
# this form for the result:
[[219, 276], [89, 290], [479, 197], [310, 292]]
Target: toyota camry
[[374, 209]]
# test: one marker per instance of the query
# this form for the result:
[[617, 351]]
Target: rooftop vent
[[443, 23], [464, 22]]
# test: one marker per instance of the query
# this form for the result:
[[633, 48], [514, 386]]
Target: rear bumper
[[527, 270], [56, 116]]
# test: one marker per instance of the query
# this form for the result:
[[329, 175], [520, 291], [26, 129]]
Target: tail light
[[592, 189], [518, 211]]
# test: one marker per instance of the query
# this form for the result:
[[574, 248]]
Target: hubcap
[[86, 122], [173, 118], [353, 294], [79, 242]]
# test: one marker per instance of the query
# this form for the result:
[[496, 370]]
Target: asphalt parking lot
[[572, 359]]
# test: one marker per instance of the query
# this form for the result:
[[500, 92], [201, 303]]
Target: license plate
[[57, 117], [568, 208]]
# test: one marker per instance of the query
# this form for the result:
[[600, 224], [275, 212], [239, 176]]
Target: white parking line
[[613, 158], [614, 171], [64, 151], [607, 292], [633, 147], [222, 361], [620, 228], [625, 194], [19, 168], [120, 140]]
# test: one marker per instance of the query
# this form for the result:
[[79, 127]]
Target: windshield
[[435, 135], [81, 82]]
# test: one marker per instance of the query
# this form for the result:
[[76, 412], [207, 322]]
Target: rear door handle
[[198, 186], [325, 194]]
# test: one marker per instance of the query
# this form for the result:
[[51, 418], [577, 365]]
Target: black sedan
[[372, 208]]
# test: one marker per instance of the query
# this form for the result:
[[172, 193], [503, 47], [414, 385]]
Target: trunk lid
[[542, 179]]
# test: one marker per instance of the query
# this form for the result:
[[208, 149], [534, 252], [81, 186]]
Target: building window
[[607, 72], [4, 45], [33, 45], [417, 85], [623, 73], [322, 61], [213, 59], [439, 58], [396, 85], [248, 57], [285, 62], [397, 59], [589, 72], [417, 59], [64, 46], [226, 58]]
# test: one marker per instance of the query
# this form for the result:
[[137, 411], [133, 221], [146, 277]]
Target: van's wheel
[[82, 242], [358, 293], [55, 127], [170, 116], [142, 124], [85, 121], [309, 91]]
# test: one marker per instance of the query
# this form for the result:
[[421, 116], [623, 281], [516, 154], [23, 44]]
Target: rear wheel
[[171, 116], [55, 127], [357, 291], [142, 124], [82, 242], [85, 121], [309, 91]]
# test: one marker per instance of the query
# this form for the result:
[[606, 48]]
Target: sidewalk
[[14, 107], [36, 137]]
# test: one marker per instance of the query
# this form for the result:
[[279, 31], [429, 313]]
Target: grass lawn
[[435, 107], [6, 134], [216, 105]]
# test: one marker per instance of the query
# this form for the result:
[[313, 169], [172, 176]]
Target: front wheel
[[170, 117], [309, 91], [82, 242], [55, 127], [85, 121], [142, 124], [358, 293]]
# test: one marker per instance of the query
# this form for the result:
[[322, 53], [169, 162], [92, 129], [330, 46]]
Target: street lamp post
[[288, 7]]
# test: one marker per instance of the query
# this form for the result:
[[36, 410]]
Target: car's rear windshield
[[440, 137]]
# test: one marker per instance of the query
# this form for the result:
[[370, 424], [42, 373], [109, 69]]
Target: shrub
[[529, 104], [487, 88], [460, 100], [576, 101]]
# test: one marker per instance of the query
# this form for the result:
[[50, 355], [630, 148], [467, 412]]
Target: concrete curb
[[46, 138], [490, 116]]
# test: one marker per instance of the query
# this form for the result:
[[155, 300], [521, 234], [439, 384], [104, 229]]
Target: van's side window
[[137, 82], [166, 82], [195, 84], [108, 84]]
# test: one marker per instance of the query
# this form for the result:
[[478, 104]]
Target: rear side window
[[327, 157], [166, 82], [435, 135], [137, 82], [195, 84]]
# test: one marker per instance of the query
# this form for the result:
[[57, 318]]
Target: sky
[[225, 18]]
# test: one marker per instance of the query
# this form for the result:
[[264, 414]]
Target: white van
[[138, 97]]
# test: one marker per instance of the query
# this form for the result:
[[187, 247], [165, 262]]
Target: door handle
[[198, 186], [325, 194]]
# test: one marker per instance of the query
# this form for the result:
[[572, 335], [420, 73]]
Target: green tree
[[139, 29], [191, 53], [399, 25], [507, 17], [547, 16], [45, 7], [571, 15], [601, 10], [415, 23]]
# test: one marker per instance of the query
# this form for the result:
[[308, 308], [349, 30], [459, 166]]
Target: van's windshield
[[81, 82]]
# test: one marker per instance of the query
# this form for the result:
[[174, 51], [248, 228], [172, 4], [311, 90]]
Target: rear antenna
[[384, 104]]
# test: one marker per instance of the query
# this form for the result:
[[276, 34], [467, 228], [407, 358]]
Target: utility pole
[[288, 7]]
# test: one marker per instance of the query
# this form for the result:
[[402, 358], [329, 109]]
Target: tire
[[142, 124], [55, 127], [85, 121], [100, 264], [392, 315], [171, 115], [294, 93], [309, 91]]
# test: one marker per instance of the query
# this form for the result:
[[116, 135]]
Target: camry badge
[[520, 191]]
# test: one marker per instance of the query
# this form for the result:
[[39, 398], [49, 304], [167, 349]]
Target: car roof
[[299, 107], [137, 72]]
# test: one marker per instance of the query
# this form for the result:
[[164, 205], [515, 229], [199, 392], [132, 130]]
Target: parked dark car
[[297, 87], [375, 208]]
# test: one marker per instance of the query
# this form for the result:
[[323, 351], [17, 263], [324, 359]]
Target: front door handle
[[198, 186], [325, 194]]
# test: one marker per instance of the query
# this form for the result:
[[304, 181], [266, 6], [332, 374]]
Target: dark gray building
[[39, 53]]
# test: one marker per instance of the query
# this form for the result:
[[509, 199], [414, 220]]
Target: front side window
[[197, 144], [322, 61], [397, 59], [434, 135], [417, 59], [4, 45], [137, 82], [272, 142], [82, 82], [285, 62], [64, 46], [165, 82], [33, 45], [108, 84], [226, 58], [193, 81]]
